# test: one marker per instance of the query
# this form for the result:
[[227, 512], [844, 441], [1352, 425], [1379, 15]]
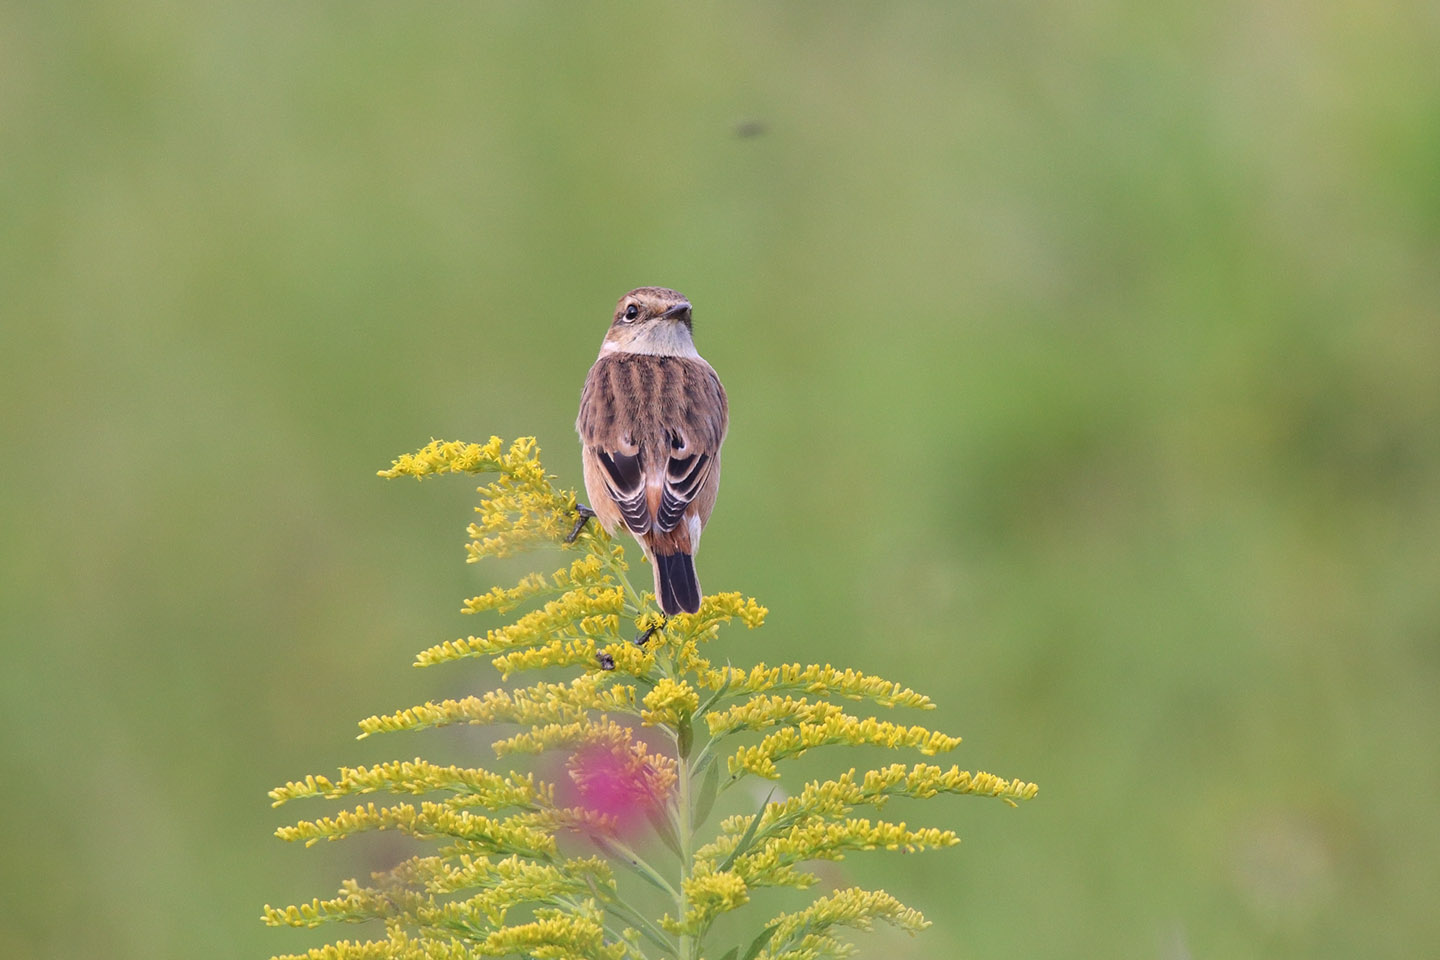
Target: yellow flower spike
[[489, 840], [428, 820], [505, 599], [783, 843], [838, 729], [835, 799], [417, 777], [506, 883], [355, 903], [668, 702], [551, 736], [555, 653], [852, 907], [549, 703], [763, 711], [633, 660], [516, 524], [473, 872], [553, 936], [715, 610], [347, 950], [711, 894], [590, 610], [771, 862], [573, 652], [826, 681], [688, 661], [346, 822], [448, 457]]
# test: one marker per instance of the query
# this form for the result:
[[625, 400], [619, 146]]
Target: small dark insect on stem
[[606, 661]]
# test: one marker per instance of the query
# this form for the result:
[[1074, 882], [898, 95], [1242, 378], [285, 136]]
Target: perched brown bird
[[652, 417]]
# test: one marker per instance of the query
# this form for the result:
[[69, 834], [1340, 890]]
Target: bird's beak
[[681, 312]]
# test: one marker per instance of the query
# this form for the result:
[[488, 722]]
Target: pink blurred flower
[[621, 782]]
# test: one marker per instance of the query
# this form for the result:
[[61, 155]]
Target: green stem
[[685, 814], [704, 758], [623, 577]]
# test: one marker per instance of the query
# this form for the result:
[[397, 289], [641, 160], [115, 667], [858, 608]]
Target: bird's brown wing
[[686, 475], [608, 428], [624, 476], [694, 421]]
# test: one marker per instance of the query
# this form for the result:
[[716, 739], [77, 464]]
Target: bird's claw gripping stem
[[585, 514], [648, 633]]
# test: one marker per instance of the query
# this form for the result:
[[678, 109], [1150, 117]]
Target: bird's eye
[[631, 312]]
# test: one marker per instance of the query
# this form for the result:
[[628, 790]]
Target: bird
[[653, 416]]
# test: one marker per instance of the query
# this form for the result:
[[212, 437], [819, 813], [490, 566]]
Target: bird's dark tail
[[676, 584]]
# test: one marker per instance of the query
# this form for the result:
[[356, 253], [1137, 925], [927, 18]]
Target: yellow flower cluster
[[371, 950], [452, 456], [537, 879], [543, 703], [773, 861], [717, 609], [836, 798], [711, 894], [681, 635], [668, 702], [591, 611], [506, 872], [814, 679], [505, 599], [479, 787], [589, 570], [763, 711], [555, 935], [429, 820], [805, 933], [602, 732], [794, 741], [579, 652], [519, 510], [507, 883], [353, 903]]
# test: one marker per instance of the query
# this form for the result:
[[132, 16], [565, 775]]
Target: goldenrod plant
[[652, 722]]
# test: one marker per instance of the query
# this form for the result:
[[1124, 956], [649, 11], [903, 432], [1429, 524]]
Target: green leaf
[[731, 953], [705, 801], [748, 835], [759, 942], [685, 736], [659, 818]]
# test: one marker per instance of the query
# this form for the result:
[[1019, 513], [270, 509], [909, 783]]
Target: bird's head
[[652, 320]]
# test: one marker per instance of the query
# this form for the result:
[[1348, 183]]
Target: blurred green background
[[1085, 373]]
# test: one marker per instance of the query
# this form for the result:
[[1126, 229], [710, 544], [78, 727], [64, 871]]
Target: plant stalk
[[685, 814]]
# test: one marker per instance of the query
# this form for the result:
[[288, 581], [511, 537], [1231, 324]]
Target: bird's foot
[[649, 632], [585, 514]]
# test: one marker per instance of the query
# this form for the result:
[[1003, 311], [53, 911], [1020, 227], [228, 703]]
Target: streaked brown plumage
[[652, 418]]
